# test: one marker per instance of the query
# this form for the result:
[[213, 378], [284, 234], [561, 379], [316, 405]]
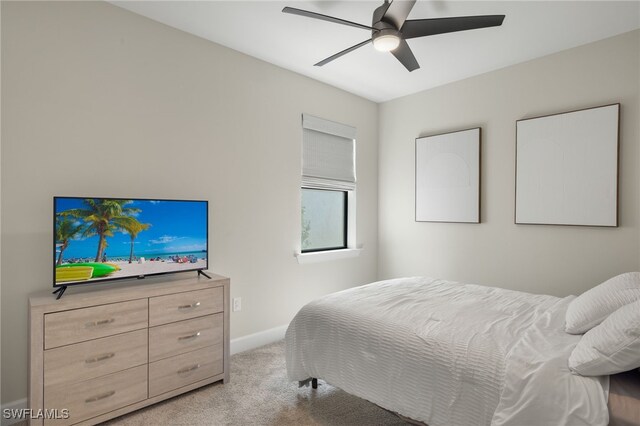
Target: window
[[324, 220], [328, 185]]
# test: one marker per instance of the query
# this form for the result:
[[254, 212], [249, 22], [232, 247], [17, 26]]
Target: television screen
[[100, 239]]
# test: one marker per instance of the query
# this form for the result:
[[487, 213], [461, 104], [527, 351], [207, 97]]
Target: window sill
[[324, 256]]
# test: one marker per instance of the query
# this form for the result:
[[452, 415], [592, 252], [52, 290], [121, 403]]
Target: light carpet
[[259, 393]]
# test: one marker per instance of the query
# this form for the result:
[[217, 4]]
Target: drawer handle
[[99, 397], [100, 358], [100, 322], [191, 306], [189, 369], [191, 336]]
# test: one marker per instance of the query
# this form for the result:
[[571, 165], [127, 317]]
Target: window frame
[[323, 167], [345, 224]]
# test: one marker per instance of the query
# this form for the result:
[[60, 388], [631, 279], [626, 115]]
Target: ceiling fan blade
[[398, 11], [426, 27], [378, 14], [294, 11], [344, 52], [404, 54]]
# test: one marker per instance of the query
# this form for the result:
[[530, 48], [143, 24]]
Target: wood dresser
[[105, 350]]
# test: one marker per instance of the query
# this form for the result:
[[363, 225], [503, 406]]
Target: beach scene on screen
[[99, 239]]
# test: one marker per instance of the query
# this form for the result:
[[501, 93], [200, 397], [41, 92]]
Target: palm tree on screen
[[133, 228], [103, 216], [66, 230]]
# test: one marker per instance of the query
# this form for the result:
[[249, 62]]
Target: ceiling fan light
[[386, 42]]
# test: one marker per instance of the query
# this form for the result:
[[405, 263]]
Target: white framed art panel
[[448, 177], [567, 168]]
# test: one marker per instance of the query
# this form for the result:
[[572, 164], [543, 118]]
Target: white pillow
[[612, 347], [593, 306]]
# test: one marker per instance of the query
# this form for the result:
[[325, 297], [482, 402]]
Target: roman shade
[[328, 154]]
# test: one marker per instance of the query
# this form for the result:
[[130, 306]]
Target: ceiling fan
[[390, 29]]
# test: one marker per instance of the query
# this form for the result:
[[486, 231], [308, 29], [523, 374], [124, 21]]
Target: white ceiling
[[259, 28]]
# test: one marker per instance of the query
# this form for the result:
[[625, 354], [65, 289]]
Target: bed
[[445, 353]]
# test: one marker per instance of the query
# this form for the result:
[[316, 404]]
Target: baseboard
[[255, 340], [14, 405], [241, 344]]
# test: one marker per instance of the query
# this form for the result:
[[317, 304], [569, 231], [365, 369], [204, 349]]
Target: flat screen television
[[103, 239]]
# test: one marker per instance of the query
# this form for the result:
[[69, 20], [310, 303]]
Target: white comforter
[[447, 354]]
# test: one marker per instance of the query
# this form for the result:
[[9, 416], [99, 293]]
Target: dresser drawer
[[88, 360], [79, 325], [181, 306], [184, 336], [181, 370], [91, 398]]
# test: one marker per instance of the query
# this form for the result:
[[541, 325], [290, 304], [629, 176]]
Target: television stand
[[60, 290], [201, 272]]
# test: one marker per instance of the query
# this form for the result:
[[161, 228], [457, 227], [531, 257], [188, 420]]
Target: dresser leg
[[314, 383]]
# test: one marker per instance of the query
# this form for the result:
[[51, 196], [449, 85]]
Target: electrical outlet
[[237, 304]]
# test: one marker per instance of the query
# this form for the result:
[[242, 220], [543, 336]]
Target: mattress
[[446, 353]]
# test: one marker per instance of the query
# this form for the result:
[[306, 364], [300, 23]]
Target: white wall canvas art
[[567, 168], [448, 177]]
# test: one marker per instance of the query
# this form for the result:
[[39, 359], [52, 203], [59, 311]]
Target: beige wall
[[557, 260], [99, 101]]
